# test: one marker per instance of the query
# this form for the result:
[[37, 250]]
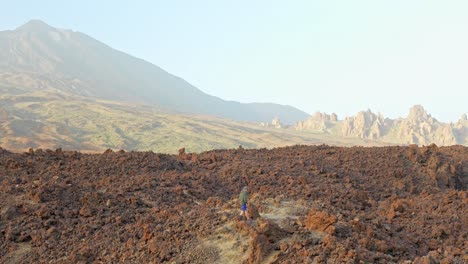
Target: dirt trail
[[229, 244], [20, 252]]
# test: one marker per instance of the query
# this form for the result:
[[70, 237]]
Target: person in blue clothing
[[244, 199]]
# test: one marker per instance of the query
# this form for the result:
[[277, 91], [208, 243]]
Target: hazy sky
[[330, 56]]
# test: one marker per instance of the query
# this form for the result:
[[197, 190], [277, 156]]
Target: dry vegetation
[[54, 120]]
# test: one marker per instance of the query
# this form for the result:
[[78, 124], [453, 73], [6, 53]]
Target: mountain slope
[[37, 56], [52, 120]]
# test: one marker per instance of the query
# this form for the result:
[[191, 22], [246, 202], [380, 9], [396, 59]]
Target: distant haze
[[329, 56], [37, 58]]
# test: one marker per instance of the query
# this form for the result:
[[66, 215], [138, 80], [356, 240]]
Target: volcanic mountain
[[37, 56]]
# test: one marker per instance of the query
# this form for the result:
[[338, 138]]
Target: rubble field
[[310, 204]]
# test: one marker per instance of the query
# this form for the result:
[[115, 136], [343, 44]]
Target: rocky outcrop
[[318, 122], [463, 118], [3, 115], [321, 221], [461, 130], [421, 128], [418, 127], [275, 123], [365, 125]]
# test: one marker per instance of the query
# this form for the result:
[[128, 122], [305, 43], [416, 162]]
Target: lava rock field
[[402, 204]]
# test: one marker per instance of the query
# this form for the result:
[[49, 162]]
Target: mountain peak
[[34, 25], [464, 117], [418, 112]]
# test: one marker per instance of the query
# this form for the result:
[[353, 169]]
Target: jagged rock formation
[[275, 123], [365, 125], [461, 130], [421, 128], [318, 122], [3, 115], [418, 127]]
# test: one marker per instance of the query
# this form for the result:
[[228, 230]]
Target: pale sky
[[330, 56]]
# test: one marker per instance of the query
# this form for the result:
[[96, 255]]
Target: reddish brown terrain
[[312, 204]]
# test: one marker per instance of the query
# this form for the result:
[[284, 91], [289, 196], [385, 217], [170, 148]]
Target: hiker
[[244, 198]]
